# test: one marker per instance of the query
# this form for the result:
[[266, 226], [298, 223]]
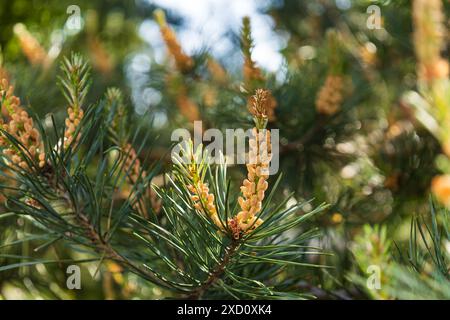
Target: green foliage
[[76, 80], [420, 271], [91, 204], [178, 250]]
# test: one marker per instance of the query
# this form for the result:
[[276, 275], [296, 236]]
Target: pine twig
[[105, 248], [216, 273]]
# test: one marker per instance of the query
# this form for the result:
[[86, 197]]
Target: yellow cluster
[[330, 96], [204, 201], [253, 188], [200, 195], [255, 185], [19, 125], [217, 72], [429, 37], [31, 47], [187, 107], [183, 62], [75, 115]]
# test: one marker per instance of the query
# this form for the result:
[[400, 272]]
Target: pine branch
[[199, 247], [107, 251], [217, 272]]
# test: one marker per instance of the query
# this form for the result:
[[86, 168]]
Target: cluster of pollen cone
[[330, 96], [183, 62], [17, 123], [204, 202], [254, 185], [72, 122]]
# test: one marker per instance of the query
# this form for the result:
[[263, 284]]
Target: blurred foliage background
[[371, 160]]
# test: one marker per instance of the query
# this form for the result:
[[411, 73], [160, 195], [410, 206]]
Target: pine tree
[[363, 186]]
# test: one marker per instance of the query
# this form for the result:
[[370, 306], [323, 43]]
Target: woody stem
[[104, 247], [216, 273]]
